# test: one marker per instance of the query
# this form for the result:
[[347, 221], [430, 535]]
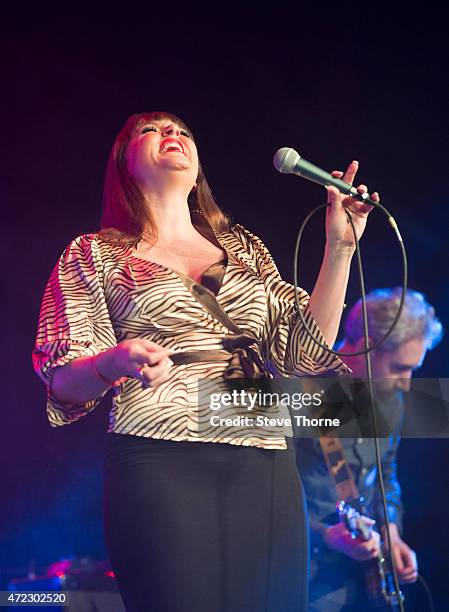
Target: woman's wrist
[[339, 251], [104, 368], [98, 374]]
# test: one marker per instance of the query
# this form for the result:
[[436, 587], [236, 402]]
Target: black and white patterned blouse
[[99, 294]]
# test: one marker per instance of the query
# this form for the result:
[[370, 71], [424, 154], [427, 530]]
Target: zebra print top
[[99, 294]]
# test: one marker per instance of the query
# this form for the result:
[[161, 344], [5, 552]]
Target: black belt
[[243, 360]]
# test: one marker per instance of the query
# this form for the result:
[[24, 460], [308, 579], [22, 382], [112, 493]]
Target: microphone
[[288, 161]]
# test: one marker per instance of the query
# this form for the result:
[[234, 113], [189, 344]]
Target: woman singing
[[196, 518]]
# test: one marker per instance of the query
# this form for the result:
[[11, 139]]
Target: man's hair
[[417, 319]]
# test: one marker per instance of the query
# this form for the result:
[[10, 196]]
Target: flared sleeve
[[73, 322], [286, 343]]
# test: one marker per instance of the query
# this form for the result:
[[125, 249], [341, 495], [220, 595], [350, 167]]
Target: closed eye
[[153, 128], [148, 128]]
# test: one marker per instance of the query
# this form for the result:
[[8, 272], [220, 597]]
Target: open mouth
[[170, 145]]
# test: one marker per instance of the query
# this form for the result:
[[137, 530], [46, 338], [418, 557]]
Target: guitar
[[378, 575]]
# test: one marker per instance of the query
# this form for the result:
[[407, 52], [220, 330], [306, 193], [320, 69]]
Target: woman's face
[[162, 152]]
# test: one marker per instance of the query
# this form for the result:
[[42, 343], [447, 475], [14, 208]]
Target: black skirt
[[205, 527]]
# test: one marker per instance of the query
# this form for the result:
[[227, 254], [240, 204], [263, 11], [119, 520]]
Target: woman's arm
[[75, 333], [328, 295], [78, 382], [85, 378], [327, 298]]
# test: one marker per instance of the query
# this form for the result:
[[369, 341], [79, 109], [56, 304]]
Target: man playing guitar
[[338, 552]]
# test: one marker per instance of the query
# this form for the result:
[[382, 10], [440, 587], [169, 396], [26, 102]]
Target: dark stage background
[[336, 82]]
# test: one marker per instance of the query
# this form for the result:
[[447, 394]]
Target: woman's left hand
[[339, 234]]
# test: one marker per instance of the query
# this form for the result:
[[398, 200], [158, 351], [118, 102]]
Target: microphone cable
[[398, 595], [428, 592]]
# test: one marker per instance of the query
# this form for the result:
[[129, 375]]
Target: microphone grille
[[285, 160]]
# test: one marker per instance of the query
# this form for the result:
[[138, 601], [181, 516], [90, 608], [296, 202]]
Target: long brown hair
[[125, 213]]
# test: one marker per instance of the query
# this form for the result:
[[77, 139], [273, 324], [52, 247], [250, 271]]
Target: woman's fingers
[[153, 357], [364, 208], [359, 207], [333, 195], [152, 375], [351, 171], [368, 207], [152, 372], [364, 189], [361, 188], [133, 355], [152, 346]]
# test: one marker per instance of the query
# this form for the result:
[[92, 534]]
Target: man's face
[[393, 369]]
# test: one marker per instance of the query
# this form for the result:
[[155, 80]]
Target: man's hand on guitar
[[404, 556], [338, 538]]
